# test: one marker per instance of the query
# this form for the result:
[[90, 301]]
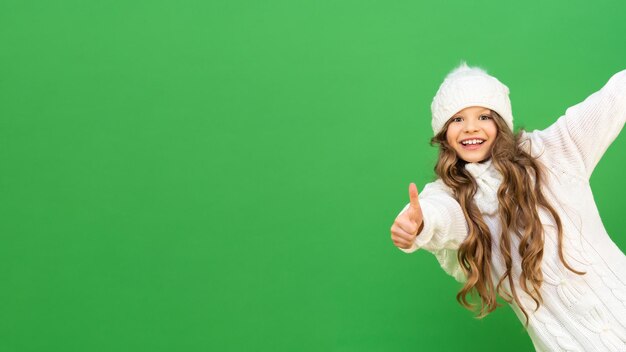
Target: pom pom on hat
[[467, 86]]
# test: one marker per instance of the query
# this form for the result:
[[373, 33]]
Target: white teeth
[[472, 141]]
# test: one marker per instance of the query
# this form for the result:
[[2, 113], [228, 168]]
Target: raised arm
[[584, 133]]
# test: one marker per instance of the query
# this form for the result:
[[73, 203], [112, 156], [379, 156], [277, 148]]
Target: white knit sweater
[[580, 313]]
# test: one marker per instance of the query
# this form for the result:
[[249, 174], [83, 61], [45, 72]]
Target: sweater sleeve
[[584, 133], [445, 228]]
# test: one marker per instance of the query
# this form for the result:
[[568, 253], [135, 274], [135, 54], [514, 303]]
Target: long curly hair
[[517, 212]]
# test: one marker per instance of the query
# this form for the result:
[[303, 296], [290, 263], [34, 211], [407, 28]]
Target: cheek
[[490, 148], [493, 129], [451, 136]]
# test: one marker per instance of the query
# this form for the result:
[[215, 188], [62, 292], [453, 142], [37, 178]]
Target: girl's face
[[474, 122]]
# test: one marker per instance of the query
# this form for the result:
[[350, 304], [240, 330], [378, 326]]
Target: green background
[[222, 176]]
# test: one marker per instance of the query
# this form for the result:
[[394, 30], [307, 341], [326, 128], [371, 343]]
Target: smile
[[472, 146], [473, 141]]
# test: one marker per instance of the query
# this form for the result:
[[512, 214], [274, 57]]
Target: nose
[[471, 126]]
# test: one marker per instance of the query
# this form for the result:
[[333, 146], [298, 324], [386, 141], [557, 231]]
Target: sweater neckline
[[477, 169], [488, 180]]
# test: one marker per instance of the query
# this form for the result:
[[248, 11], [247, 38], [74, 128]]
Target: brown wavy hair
[[517, 212]]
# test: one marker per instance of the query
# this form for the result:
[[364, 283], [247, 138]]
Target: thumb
[[415, 208]]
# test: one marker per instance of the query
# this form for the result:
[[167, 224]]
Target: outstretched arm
[[443, 230], [444, 225], [587, 129]]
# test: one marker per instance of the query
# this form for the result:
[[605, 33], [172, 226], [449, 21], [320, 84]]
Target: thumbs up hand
[[409, 223]]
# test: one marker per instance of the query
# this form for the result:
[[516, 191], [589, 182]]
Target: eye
[[456, 119], [487, 116]]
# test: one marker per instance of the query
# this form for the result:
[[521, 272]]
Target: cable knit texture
[[580, 313]]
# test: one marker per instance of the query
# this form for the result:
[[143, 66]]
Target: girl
[[513, 214]]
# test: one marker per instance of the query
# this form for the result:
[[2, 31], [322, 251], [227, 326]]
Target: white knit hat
[[469, 86]]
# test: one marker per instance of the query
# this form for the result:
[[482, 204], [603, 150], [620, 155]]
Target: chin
[[474, 158]]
